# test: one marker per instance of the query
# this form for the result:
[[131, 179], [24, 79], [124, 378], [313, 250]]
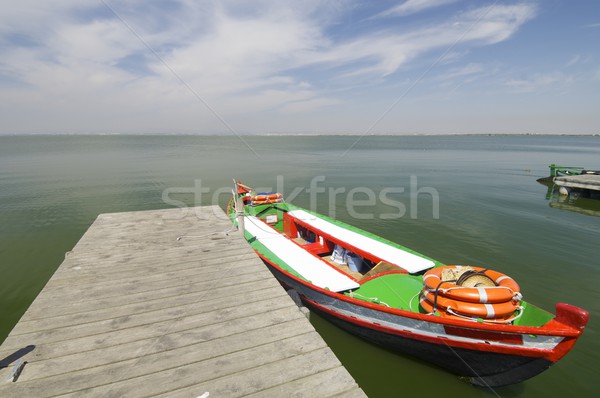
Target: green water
[[461, 200]]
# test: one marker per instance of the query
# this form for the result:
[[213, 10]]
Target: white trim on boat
[[410, 262], [312, 268]]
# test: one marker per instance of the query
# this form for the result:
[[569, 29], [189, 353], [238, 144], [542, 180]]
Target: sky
[[300, 67]]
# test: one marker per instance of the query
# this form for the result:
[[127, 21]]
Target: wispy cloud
[[456, 77], [74, 59], [539, 82], [409, 7], [384, 53], [573, 61]]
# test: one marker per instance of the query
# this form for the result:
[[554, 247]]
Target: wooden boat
[[471, 321]]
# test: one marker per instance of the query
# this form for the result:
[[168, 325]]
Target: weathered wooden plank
[[111, 302], [60, 307], [168, 254], [150, 281], [333, 382], [135, 311], [201, 327], [89, 272], [118, 289], [163, 355], [253, 379], [96, 327], [185, 302]]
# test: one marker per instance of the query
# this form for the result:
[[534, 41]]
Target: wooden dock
[[133, 311], [584, 181]]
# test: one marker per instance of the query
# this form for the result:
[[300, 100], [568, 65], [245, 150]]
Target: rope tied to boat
[[371, 299], [516, 296], [520, 309], [436, 291]]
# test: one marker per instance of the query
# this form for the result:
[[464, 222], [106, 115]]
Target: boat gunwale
[[547, 329], [479, 345], [553, 354]]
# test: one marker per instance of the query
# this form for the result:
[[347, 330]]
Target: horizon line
[[275, 134]]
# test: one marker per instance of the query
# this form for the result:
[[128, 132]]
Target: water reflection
[[579, 201]]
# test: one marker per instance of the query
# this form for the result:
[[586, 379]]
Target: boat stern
[[572, 316]]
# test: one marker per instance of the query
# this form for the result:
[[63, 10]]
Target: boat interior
[[374, 278], [359, 262]]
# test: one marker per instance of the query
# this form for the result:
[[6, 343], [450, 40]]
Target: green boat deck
[[393, 290]]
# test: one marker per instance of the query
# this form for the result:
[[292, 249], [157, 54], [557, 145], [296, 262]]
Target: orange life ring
[[428, 307], [507, 289], [272, 196], [266, 202], [487, 311], [265, 199]]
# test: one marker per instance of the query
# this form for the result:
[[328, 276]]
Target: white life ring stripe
[[483, 297]]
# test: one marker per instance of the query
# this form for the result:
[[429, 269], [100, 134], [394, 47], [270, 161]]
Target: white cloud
[[413, 6], [539, 82], [385, 52], [235, 64], [239, 59], [310, 104], [496, 23], [454, 78], [466, 70]]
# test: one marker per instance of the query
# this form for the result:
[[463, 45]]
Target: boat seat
[[309, 266], [384, 251]]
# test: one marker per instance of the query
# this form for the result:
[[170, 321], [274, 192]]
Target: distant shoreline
[[228, 134]]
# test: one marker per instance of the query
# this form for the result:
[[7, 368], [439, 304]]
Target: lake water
[[458, 199]]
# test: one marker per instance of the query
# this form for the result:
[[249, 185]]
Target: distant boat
[[468, 320], [557, 171], [569, 179], [565, 171]]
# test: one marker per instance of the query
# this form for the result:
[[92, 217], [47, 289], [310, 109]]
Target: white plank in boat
[[317, 271], [132, 311], [410, 262]]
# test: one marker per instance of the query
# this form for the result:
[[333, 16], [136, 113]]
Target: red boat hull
[[487, 358], [486, 369]]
